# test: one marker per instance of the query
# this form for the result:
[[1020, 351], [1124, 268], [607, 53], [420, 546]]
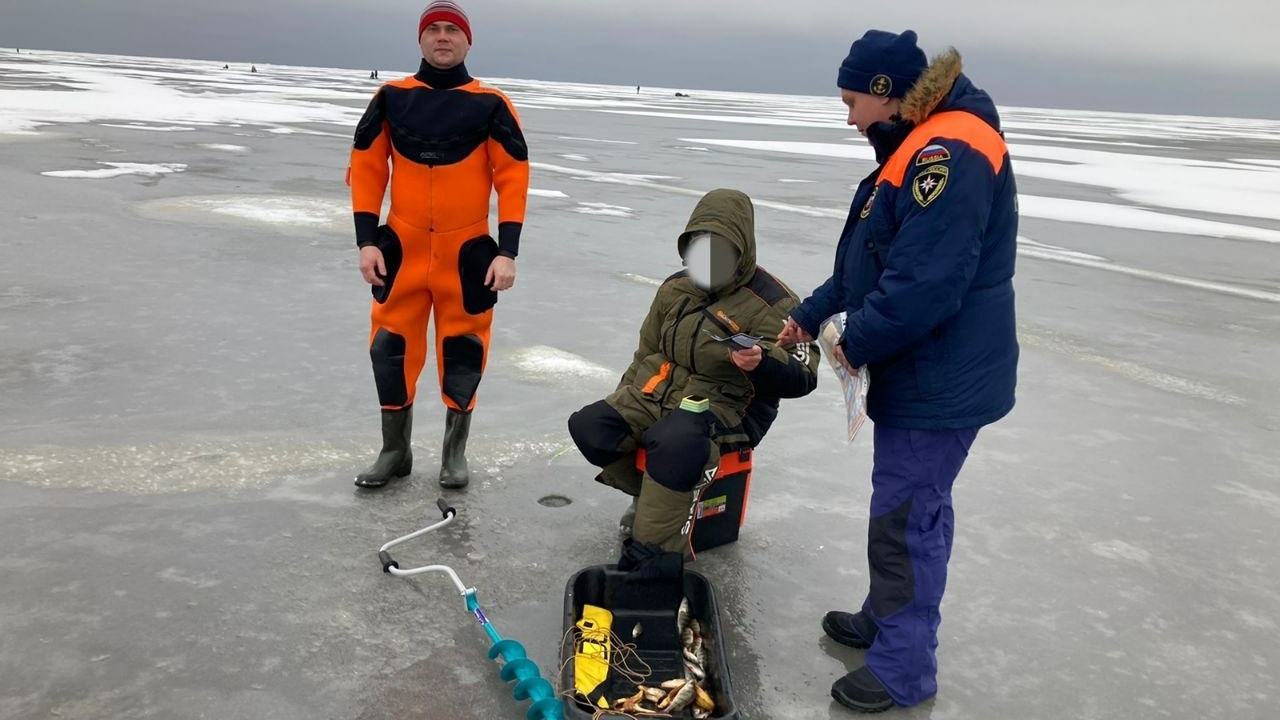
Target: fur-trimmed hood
[[942, 87]]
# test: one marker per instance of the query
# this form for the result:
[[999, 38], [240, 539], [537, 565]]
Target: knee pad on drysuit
[[387, 353], [463, 362], [677, 449]]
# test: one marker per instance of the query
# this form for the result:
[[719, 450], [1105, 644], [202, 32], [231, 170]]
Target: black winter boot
[[453, 453], [396, 459]]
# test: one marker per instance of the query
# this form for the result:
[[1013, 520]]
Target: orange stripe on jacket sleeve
[[656, 380]]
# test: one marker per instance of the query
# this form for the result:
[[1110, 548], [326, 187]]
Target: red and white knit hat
[[445, 11]]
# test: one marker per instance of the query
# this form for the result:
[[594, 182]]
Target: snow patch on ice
[[224, 147], [272, 210], [545, 362], [286, 210], [597, 140], [1049, 252], [795, 180], [1253, 161], [118, 169], [641, 279], [152, 128], [154, 469], [1167, 182], [575, 157], [535, 192], [1132, 218], [1120, 550], [591, 208]]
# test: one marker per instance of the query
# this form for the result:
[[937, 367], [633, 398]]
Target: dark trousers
[[908, 546], [678, 446]]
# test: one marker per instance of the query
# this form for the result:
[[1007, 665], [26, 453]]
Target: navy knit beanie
[[883, 64]]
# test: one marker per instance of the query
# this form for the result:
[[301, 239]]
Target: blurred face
[[444, 45], [710, 260], [866, 110]]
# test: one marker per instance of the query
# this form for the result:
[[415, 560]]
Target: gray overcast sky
[[1180, 56]]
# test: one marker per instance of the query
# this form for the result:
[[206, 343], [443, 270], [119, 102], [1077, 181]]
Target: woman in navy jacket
[[924, 271]]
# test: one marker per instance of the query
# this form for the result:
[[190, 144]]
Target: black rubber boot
[[853, 629], [860, 691], [396, 459], [453, 453]]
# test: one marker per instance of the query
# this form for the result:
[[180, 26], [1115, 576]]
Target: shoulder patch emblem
[[929, 184], [866, 209], [932, 154]]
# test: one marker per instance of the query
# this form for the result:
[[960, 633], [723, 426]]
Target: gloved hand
[[650, 562]]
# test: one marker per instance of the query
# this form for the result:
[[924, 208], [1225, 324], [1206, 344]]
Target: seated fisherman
[[659, 405]]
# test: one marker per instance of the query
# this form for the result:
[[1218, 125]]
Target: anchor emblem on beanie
[[881, 85]]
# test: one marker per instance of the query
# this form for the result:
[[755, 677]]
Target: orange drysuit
[[444, 141]]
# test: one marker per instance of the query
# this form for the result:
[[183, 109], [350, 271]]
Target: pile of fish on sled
[[673, 696]]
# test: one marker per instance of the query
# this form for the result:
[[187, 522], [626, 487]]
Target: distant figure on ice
[[253, 68], [435, 253], [226, 67], [373, 74], [720, 292], [637, 89], [924, 272]]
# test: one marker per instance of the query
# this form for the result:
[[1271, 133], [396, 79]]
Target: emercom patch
[[932, 154], [929, 184]]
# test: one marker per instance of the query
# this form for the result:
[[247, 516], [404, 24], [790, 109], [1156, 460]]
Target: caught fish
[[673, 684], [695, 671], [691, 657], [700, 714], [696, 626], [636, 630], [688, 637], [679, 699], [653, 694], [704, 700], [633, 702], [683, 616], [702, 656]]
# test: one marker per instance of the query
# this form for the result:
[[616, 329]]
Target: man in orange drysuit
[[450, 141]]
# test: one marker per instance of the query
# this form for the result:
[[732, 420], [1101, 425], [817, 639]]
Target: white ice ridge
[[224, 147], [576, 157], [152, 128], [118, 169], [544, 362], [535, 192], [1229, 188], [152, 93]]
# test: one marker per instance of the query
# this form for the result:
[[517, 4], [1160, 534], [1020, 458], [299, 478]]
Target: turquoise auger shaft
[[530, 685]]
